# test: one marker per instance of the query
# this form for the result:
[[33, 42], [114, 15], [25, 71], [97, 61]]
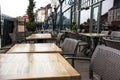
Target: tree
[[30, 25]]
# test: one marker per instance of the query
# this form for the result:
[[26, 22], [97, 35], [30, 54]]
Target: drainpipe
[[99, 17], [91, 18]]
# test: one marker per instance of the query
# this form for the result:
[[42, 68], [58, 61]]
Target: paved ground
[[82, 67]]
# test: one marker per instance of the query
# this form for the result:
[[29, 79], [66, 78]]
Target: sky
[[107, 4], [15, 8]]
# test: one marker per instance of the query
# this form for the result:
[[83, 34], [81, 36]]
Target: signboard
[[21, 28], [70, 2]]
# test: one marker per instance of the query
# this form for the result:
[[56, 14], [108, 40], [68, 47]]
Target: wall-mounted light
[[70, 2]]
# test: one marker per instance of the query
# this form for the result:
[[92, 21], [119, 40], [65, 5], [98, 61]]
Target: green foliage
[[30, 26], [74, 26], [30, 12]]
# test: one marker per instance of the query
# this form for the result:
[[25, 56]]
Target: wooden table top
[[38, 47], [43, 30], [94, 34], [39, 36], [36, 66]]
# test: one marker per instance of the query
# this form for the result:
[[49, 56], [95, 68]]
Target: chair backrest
[[105, 63], [104, 32], [21, 35], [74, 36], [112, 43], [78, 30], [69, 46], [13, 37], [101, 39], [83, 30], [59, 36], [115, 34]]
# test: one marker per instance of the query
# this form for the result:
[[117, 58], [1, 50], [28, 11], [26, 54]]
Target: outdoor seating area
[[74, 51], [60, 40]]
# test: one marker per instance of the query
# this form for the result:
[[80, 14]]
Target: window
[[118, 10], [118, 17], [66, 19]]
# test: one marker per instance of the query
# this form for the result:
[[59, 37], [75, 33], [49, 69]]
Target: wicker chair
[[104, 63], [82, 43], [21, 37], [59, 38], [101, 39], [112, 43], [69, 47], [104, 32], [115, 35]]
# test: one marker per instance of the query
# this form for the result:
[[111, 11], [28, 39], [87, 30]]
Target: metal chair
[[104, 64]]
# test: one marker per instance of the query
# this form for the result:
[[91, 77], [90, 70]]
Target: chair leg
[[85, 50], [90, 72], [79, 47]]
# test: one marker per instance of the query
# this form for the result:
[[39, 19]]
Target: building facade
[[68, 14], [47, 11], [43, 13], [114, 14], [21, 27], [40, 15], [72, 9]]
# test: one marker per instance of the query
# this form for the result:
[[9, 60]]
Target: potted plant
[[74, 26]]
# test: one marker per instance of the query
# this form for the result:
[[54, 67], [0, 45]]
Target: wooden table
[[36, 66], [94, 40], [45, 31], [39, 36], [37, 47], [93, 34]]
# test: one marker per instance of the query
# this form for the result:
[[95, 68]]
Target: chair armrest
[[78, 58], [4, 48], [67, 54]]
